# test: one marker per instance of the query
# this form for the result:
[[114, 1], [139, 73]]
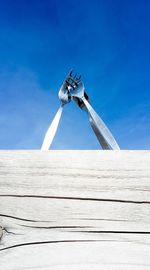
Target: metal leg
[[103, 134], [50, 134]]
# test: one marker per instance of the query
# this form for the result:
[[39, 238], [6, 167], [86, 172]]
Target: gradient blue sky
[[107, 41]]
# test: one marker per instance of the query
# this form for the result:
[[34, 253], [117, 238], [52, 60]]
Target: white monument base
[[73, 210]]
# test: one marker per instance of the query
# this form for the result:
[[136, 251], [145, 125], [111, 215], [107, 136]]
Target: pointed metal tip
[[79, 78], [71, 72], [75, 76]]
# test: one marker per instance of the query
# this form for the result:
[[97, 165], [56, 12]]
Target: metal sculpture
[[73, 89]]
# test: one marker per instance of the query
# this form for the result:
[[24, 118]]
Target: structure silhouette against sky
[[73, 89], [107, 41]]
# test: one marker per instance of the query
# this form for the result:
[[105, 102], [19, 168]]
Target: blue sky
[[107, 41]]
